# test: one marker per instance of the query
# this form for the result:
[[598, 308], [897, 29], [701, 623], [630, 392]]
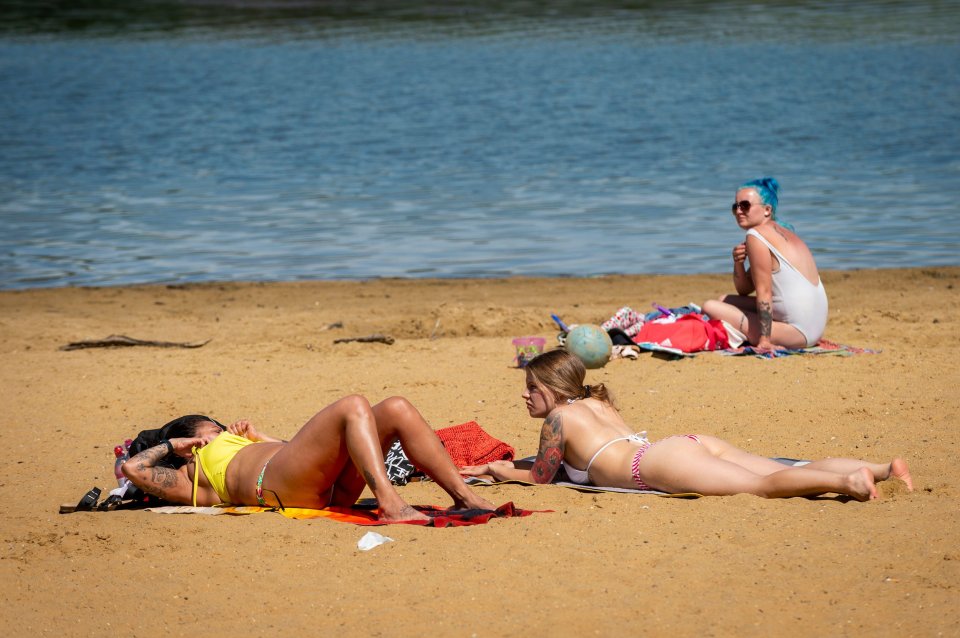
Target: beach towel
[[466, 444], [362, 513], [475, 482], [469, 444], [823, 347], [663, 333], [560, 481]]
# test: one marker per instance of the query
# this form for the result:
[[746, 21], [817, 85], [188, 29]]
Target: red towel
[[469, 444], [439, 517]]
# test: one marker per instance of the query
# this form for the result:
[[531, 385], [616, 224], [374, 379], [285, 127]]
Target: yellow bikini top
[[214, 457]]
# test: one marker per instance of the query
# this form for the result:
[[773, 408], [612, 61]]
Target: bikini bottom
[[635, 466]]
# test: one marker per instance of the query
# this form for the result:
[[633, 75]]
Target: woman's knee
[[353, 406], [395, 408], [719, 307]]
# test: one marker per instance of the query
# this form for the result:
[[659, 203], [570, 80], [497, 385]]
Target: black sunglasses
[[744, 206]]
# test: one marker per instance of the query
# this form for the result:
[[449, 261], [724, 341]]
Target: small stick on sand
[[123, 341], [368, 339]]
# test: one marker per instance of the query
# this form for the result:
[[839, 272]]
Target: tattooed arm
[[761, 271], [550, 455], [543, 469], [169, 484]]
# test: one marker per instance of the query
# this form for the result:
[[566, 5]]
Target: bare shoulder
[[576, 412], [794, 249], [587, 416]]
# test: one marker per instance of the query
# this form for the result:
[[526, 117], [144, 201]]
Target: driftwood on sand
[[123, 341], [368, 339]]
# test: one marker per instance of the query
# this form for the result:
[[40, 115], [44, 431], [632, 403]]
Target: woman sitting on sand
[[327, 462], [584, 433], [790, 306]]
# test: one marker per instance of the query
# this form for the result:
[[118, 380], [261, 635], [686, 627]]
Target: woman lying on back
[[584, 433], [328, 462]]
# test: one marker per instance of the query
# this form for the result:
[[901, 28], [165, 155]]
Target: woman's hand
[[245, 429], [764, 345], [741, 278], [494, 469], [476, 470], [740, 253], [183, 447]]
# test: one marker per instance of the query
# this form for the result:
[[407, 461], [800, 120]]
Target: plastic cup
[[527, 349]]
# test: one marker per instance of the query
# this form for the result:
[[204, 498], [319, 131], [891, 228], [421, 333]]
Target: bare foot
[[403, 513], [473, 502], [899, 469], [861, 486]]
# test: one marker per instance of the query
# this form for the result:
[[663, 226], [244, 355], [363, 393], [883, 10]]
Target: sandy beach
[[599, 564]]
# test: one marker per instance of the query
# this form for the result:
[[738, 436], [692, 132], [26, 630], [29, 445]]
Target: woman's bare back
[[793, 248], [588, 425]]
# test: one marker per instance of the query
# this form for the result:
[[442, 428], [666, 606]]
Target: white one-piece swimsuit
[[795, 300]]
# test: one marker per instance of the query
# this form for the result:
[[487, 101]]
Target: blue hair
[[768, 188]]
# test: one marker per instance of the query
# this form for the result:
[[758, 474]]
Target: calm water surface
[[205, 142]]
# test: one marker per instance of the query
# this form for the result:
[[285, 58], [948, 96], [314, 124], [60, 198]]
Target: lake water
[[278, 141]]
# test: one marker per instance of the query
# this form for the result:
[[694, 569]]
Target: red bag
[[689, 333], [469, 444]]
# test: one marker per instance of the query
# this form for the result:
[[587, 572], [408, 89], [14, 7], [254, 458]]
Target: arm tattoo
[[160, 480], [765, 310], [149, 457], [551, 450]]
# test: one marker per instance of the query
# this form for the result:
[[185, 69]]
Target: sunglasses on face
[[744, 206]]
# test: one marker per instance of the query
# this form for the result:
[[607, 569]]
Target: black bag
[[399, 468]]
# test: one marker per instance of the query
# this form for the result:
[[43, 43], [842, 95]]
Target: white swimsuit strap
[[639, 438], [782, 259], [755, 233]]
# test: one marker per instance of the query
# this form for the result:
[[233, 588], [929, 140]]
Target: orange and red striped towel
[[365, 515]]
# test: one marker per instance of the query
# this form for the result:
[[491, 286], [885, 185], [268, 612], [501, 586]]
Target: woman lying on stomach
[[584, 433], [328, 462]]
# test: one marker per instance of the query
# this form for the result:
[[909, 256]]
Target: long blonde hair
[[563, 374]]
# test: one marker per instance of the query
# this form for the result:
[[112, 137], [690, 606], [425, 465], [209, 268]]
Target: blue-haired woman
[[780, 300]]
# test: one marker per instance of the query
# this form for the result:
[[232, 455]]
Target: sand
[[599, 564]]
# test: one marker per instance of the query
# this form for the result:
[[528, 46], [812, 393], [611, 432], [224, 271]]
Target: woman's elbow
[[129, 470]]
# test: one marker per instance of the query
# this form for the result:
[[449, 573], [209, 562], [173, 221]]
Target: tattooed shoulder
[[550, 455]]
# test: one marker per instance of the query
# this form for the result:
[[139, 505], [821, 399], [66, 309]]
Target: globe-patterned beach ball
[[591, 344]]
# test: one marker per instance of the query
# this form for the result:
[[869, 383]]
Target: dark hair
[[181, 427], [563, 374]]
